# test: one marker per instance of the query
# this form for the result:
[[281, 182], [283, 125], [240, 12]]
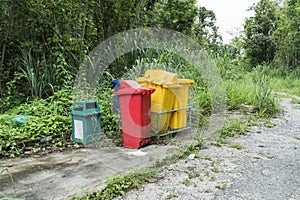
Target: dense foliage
[[272, 35], [42, 44]]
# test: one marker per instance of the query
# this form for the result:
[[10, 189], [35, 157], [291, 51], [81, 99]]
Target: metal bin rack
[[155, 131]]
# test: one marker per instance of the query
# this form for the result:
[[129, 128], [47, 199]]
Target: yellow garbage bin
[[162, 100], [178, 119]]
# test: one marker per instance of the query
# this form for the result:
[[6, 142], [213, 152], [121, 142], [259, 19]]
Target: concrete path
[[74, 172]]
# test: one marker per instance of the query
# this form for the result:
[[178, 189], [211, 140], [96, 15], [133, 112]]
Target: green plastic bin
[[86, 127]]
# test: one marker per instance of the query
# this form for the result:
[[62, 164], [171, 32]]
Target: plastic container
[[179, 118], [86, 127], [19, 120], [135, 103], [165, 84], [116, 105]]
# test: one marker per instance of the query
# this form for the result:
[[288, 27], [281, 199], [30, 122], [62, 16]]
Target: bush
[[46, 117]]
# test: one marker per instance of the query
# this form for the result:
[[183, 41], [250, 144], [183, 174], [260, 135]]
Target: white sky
[[230, 15]]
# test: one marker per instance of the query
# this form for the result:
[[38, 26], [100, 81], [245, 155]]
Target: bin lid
[[129, 84], [185, 81], [159, 77], [132, 87], [85, 107]]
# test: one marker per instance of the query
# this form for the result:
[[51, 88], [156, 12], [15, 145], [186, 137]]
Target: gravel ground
[[266, 167]]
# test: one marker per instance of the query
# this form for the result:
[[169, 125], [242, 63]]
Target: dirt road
[[266, 167]]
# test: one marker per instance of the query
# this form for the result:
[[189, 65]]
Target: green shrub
[[46, 117]]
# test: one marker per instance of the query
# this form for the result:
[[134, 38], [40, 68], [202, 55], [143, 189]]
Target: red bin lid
[[132, 87]]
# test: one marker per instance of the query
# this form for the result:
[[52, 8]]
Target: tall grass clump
[[239, 92], [265, 100]]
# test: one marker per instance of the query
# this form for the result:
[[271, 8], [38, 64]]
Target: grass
[[295, 101], [297, 138], [223, 186], [2, 195], [117, 185], [235, 145], [289, 84], [232, 128], [187, 182], [254, 90]]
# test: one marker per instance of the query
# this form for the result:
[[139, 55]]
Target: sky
[[230, 15]]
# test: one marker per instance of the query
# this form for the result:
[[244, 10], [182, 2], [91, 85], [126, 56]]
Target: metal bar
[[168, 111], [156, 132]]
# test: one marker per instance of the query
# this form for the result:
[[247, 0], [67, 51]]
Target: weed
[[215, 169], [232, 128], [208, 190], [191, 147], [172, 195], [297, 138], [239, 92], [295, 101], [208, 158], [235, 145], [271, 157], [223, 186], [270, 125], [192, 174], [187, 182], [2, 195], [117, 185], [289, 84], [213, 178]]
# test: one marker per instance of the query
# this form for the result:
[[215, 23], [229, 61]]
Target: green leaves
[[259, 44], [46, 117], [287, 34]]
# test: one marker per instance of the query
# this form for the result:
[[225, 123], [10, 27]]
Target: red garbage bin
[[135, 103]]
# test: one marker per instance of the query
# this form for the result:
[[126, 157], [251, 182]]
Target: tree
[[259, 44], [178, 15], [287, 35], [205, 30], [42, 42]]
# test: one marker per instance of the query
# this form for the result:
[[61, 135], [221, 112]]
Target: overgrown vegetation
[[40, 55], [40, 119], [39, 63]]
